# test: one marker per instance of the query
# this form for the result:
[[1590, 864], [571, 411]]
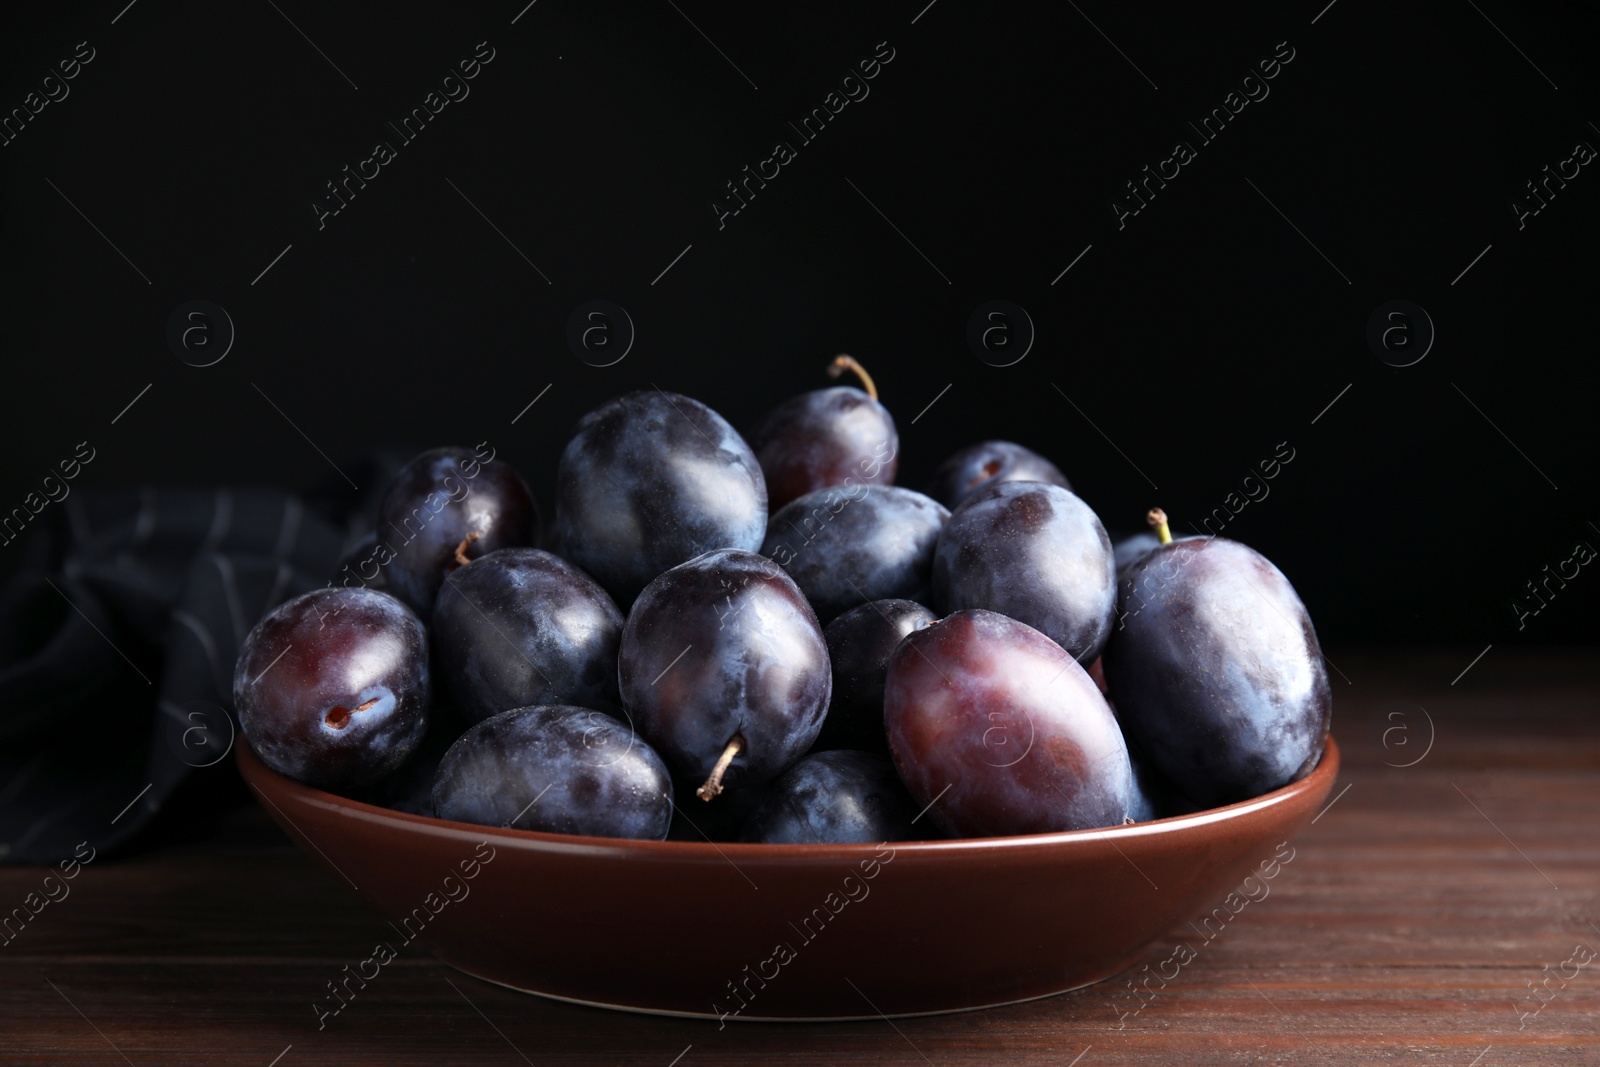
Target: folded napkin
[[118, 635]]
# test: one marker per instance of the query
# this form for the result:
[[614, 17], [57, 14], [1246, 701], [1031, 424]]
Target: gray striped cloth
[[118, 636]]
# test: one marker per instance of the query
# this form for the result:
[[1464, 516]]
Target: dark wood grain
[[1407, 929]]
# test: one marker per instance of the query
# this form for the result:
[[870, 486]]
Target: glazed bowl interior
[[748, 931]]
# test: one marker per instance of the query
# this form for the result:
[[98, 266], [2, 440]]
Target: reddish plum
[[443, 506], [1000, 731], [332, 688], [838, 436]]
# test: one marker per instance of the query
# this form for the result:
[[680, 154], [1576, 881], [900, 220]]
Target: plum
[[860, 643], [447, 505], [1216, 671], [332, 688], [833, 797], [724, 670], [1131, 549], [521, 627], [650, 480], [827, 437], [1034, 552], [1000, 731], [559, 769], [844, 547], [988, 463]]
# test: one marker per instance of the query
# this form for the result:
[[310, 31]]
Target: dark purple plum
[[651, 480], [834, 798], [989, 463], [1131, 549], [332, 688], [859, 645], [844, 547], [1218, 678], [723, 660], [827, 437], [557, 769], [1000, 731], [1034, 552], [521, 627], [446, 501]]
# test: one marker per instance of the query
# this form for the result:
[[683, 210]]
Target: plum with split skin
[[333, 687]]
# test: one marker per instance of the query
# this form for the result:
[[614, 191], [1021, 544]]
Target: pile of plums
[[766, 640]]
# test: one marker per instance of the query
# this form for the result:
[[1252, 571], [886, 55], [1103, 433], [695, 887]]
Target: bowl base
[[671, 1013]]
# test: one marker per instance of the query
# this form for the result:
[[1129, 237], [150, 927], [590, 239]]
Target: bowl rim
[[254, 771]]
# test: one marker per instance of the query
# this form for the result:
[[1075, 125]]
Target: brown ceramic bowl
[[788, 931]]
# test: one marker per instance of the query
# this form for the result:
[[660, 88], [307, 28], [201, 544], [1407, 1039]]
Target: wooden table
[[1420, 907]]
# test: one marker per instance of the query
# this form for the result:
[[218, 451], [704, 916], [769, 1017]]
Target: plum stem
[[461, 549], [1158, 522], [713, 784], [842, 363]]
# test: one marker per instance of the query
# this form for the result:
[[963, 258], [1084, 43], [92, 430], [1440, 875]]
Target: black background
[[1196, 338]]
